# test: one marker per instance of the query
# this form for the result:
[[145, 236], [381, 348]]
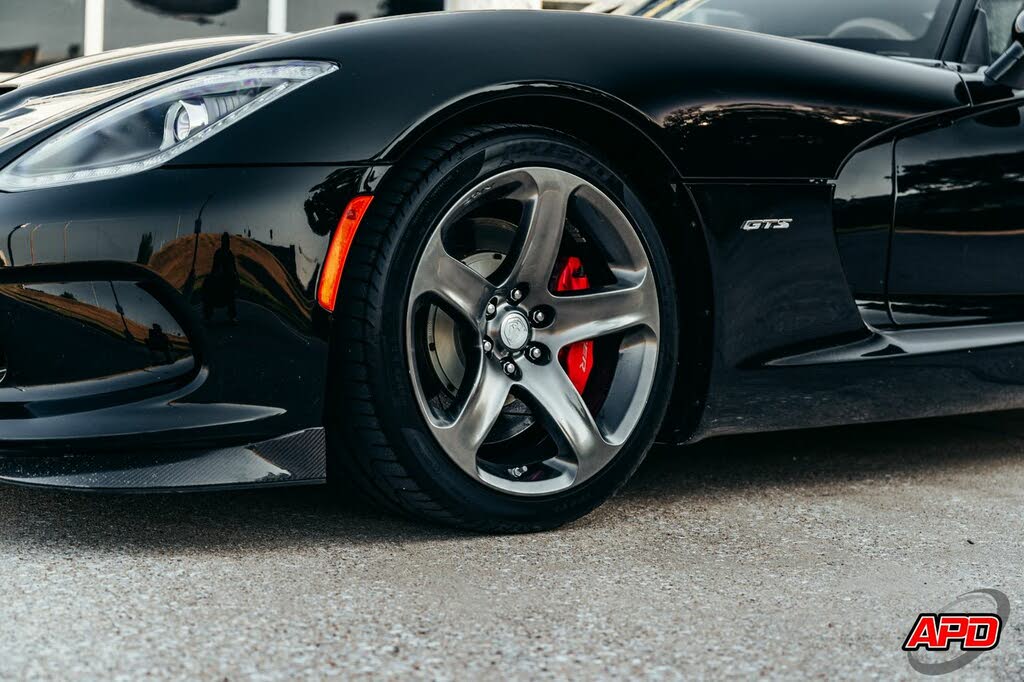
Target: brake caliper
[[577, 359]]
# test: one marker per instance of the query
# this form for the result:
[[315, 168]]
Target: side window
[[1001, 14]]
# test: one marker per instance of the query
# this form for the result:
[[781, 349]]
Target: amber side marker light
[[341, 242]]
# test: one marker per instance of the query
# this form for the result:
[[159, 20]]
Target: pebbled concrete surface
[[781, 556]]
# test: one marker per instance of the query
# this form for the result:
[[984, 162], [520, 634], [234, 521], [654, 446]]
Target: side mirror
[[1003, 71]]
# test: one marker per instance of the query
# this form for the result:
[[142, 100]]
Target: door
[[958, 242], [957, 253]]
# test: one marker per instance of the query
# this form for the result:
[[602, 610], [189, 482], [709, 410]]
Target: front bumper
[[168, 313]]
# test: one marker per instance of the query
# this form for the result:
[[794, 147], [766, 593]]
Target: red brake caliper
[[577, 359]]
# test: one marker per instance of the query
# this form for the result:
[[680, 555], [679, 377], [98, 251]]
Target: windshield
[[904, 28]]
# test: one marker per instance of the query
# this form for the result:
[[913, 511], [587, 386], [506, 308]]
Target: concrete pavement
[[787, 555]]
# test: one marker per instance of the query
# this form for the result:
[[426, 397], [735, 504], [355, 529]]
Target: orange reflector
[[341, 242]]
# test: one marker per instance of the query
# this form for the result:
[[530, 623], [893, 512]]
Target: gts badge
[[769, 224]]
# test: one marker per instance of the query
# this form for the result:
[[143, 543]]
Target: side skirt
[[891, 344]]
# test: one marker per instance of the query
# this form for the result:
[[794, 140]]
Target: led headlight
[[184, 119], [153, 127]]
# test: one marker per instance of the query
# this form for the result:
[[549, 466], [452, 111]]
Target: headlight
[[34, 111], [153, 127]]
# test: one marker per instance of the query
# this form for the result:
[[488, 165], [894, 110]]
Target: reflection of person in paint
[[159, 344], [222, 282]]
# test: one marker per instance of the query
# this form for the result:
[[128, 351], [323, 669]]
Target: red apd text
[[938, 632]]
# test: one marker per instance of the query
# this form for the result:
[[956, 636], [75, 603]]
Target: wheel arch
[[616, 131]]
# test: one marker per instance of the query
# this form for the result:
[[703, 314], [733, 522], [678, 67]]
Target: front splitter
[[296, 459]]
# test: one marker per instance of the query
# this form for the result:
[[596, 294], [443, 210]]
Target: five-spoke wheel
[[507, 333], [518, 325]]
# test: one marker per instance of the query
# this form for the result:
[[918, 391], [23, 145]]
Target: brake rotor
[[447, 353], [444, 341]]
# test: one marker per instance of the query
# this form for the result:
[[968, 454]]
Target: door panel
[[958, 242]]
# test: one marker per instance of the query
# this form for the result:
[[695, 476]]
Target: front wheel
[[509, 333]]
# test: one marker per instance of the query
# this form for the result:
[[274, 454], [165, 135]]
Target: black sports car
[[475, 264]]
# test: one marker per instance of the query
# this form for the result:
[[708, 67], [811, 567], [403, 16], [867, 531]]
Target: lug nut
[[539, 316], [488, 346], [510, 368], [535, 353], [517, 295], [491, 310]]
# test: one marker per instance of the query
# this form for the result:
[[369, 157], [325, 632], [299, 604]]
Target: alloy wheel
[[512, 326]]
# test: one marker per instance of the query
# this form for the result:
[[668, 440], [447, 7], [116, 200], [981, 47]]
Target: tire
[[386, 424]]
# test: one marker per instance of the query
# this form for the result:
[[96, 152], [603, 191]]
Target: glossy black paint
[[106, 329], [862, 210], [778, 292], [958, 222], [726, 127], [83, 364], [790, 109], [720, 103]]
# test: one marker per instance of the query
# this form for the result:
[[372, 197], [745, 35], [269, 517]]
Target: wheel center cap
[[515, 331]]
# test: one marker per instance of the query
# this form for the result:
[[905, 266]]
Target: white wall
[[492, 4]]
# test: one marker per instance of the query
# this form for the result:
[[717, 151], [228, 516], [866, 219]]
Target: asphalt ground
[[788, 556]]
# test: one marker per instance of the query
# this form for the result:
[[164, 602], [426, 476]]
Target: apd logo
[[954, 628]]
